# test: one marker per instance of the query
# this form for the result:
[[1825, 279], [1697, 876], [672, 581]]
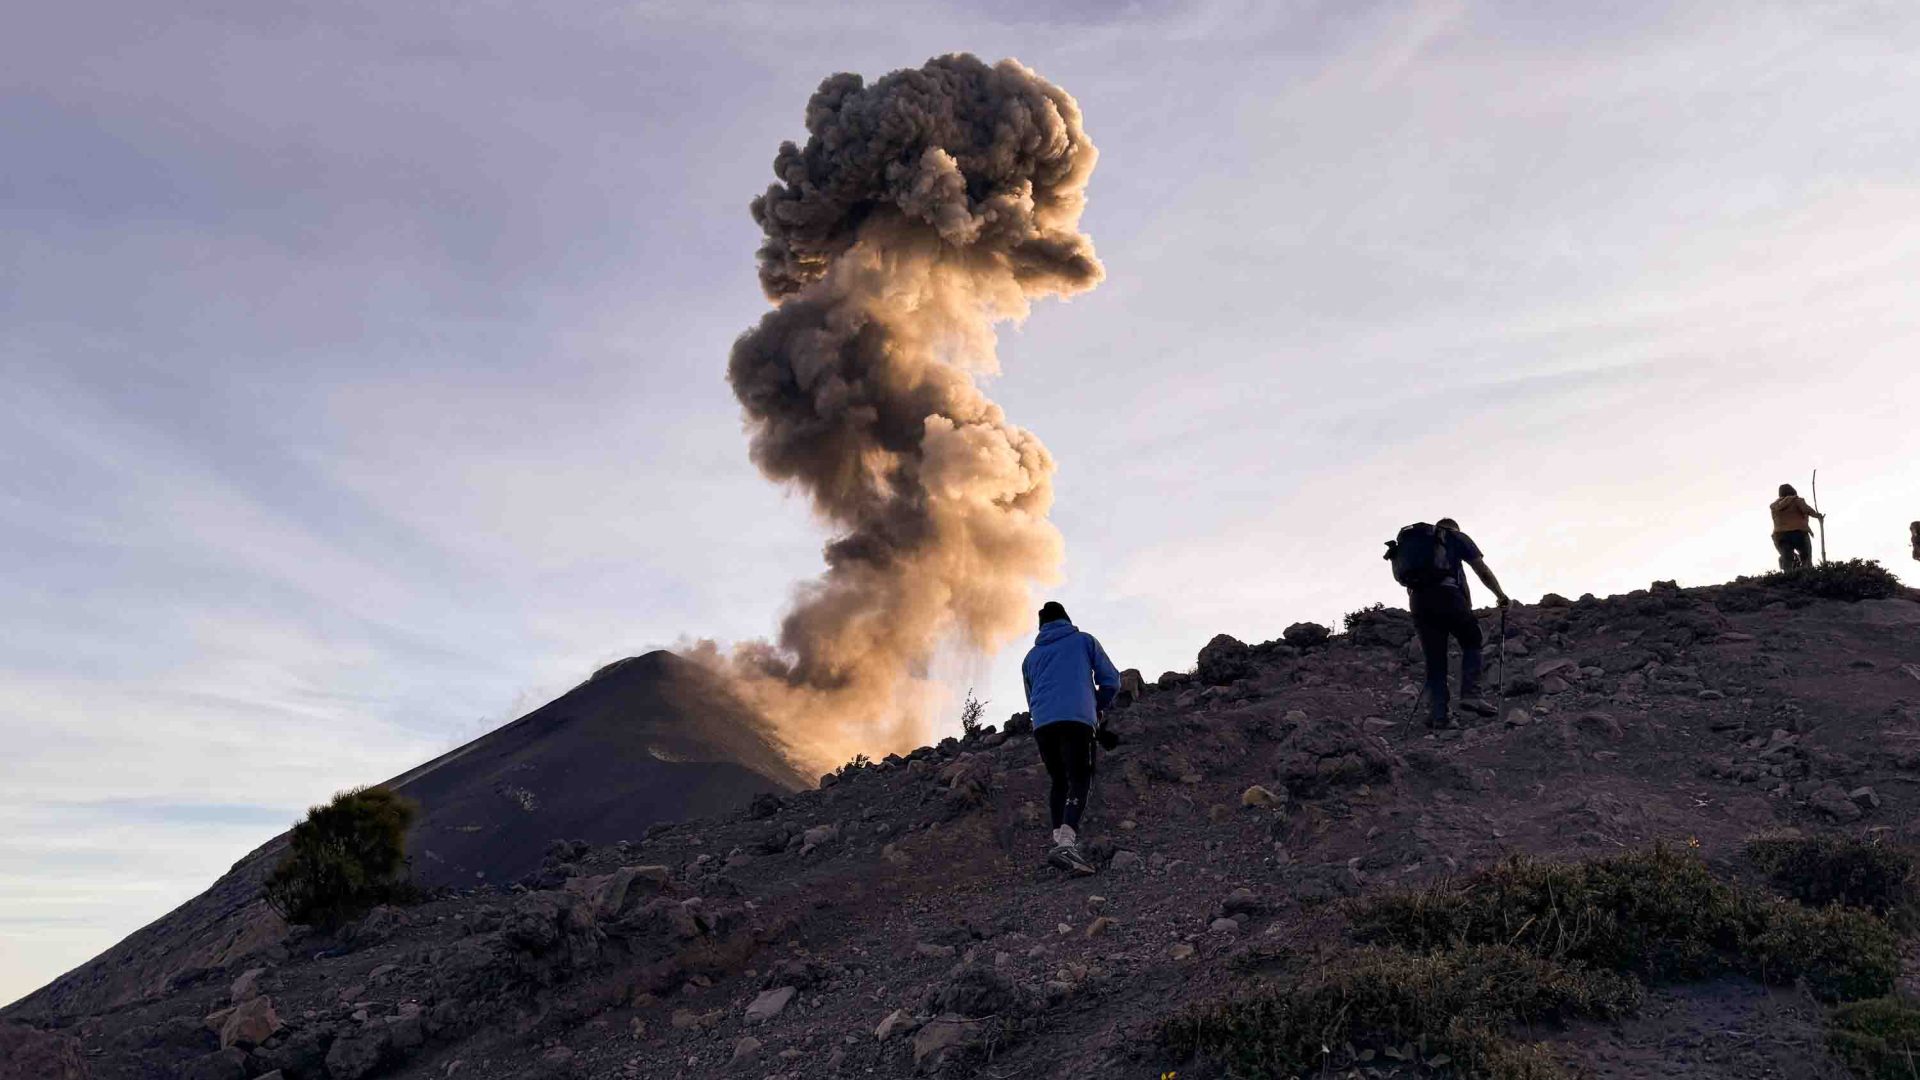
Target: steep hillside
[[898, 919], [648, 739]]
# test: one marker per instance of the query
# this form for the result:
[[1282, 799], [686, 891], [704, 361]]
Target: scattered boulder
[[1305, 635], [1336, 751], [769, 1004], [358, 1054], [251, 1023], [28, 1053], [942, 1037], [745, 1051], [896, 1022], [1259, 796], [1241, 901], [1224, 660], [247, 985], [1832, 801]]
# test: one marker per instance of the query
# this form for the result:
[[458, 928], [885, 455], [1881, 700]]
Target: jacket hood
[[1054, 631], [1781, 502]]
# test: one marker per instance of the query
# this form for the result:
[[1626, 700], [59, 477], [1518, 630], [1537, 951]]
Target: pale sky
[[364, 363]]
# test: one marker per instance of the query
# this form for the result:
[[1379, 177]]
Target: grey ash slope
[[649, 739]]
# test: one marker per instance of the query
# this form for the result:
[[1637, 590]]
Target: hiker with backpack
[[1069, 683], [1792, 528], [1427, 559]]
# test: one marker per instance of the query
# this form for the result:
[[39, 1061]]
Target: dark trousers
[[1795, 548], [1066, 746], [1440, 614]]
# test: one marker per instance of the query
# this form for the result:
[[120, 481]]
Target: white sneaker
[[1064, 836]]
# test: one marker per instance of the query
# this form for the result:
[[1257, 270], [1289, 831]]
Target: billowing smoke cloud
[[923, 210]]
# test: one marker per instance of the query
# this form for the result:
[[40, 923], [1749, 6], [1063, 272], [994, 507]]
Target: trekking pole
[[1503, 658], [1822, 522]]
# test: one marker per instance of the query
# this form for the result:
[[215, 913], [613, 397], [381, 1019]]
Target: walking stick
[[1822, 522], [1503, 659]]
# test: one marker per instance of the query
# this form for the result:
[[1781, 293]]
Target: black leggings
[[1439, 614], [1066, 746], [1795, 548]]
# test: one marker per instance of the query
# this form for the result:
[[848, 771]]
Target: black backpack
[[1419, 556]]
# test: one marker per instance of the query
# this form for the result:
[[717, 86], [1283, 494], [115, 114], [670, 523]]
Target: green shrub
[[346, 857], [1854, 579], [1878, 1039], [1657, 914], [1361, 617], [1446, 1008], [1842, 955], [1823, 870]]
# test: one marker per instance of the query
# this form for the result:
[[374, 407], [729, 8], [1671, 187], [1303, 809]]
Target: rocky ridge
[[896, 920]]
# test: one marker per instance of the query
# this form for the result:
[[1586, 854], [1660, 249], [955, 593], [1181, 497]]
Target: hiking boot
[[1067, 857], [1479, 706]]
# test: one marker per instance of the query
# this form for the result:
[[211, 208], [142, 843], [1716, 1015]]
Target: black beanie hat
[[1051, 611]]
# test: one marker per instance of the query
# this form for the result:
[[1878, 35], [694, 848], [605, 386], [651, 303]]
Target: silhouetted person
[[1069, 681], [1913, 534], [1793, 529], [1427, 559]]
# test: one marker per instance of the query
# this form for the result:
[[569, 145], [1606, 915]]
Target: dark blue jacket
[[1068, 676]]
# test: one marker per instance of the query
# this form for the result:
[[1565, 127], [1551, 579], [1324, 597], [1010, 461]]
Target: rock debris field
[[898, 920]]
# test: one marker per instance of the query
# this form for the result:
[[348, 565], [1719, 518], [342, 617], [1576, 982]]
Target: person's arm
[[1106, 677], [1026, 680], [1811, 512], [1486, 577]]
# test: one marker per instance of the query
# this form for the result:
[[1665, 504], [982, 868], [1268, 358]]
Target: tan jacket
[[1792, 514]]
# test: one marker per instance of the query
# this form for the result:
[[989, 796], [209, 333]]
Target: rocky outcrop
[[31, 1054]]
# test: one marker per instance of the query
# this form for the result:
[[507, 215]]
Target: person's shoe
[[1067, 857], [1479, 706], [1064, 837]]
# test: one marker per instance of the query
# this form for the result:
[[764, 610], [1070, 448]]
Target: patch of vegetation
[[1442, 1009], [1822, 870], [1878, 1039], [1853, 579], [1657, 914], [346, 857], [1362, 616], [970, 713]]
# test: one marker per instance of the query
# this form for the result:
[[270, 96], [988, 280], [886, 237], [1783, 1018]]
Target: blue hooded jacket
[[1062, 671]]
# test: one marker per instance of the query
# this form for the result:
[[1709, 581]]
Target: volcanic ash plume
[[922, 210]]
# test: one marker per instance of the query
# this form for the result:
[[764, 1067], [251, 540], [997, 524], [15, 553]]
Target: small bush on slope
[[1854, 579], [1878, 1039], [1447, 1008], [1823, 870], [344, 858], [1655, 914], [1530, 940]]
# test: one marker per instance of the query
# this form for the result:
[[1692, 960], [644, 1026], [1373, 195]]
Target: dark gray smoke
[[923, 210]]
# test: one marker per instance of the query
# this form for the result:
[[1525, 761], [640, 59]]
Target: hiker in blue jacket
[[1069, 681]]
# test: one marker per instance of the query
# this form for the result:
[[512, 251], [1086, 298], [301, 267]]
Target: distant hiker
[[1069, 681], [1427, 560], [1913, 534], [1792, 528]]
